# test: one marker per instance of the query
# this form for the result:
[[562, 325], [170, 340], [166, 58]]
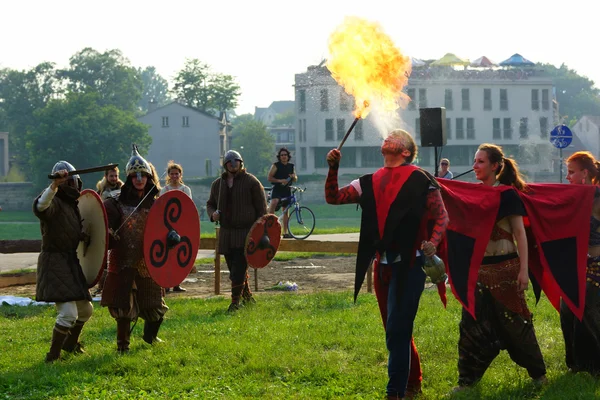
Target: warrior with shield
[[403, 219], [60, 278], [237, 200], [129, 290]]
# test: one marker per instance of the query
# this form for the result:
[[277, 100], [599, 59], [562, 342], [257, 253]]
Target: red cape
[[557, 228]]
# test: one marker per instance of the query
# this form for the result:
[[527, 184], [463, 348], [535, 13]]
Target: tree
[[285, 119], [255, 144], [575, 94], [197, 86], [109, 74], [78, 130], [21, 94], [154, 87]]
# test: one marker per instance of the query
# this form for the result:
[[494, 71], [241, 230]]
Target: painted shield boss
[[171, 238], [262, 241], [93, 249]]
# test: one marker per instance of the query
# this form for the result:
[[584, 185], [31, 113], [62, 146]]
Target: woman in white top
[[174, 181]]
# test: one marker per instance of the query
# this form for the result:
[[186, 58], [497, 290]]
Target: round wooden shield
[[92, 253], [262, 241], [171, 238]]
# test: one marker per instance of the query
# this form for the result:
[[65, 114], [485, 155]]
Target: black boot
[[59, 334], [123, 334], [71, 343], [151, 331]]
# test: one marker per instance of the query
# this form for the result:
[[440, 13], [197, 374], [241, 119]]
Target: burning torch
[[366, 104]]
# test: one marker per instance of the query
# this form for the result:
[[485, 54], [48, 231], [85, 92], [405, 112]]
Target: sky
[[264, 43]]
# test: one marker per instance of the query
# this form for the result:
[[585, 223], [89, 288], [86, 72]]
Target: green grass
[[18, 216], [289, 345]]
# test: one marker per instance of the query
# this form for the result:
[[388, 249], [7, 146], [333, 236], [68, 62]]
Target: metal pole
[[561, 164]]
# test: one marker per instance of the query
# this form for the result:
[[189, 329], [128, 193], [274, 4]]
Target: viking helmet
[[232, 155], [137, 163], [65, 165]]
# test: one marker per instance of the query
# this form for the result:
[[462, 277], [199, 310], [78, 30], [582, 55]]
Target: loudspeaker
[[433, 126]]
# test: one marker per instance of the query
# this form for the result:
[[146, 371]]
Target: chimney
[[152, 105]]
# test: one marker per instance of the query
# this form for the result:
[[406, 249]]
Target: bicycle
[[301, 221]]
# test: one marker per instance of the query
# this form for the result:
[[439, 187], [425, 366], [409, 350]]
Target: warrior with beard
[[110, 185], [403, 218], [60, 278], [129, 291]]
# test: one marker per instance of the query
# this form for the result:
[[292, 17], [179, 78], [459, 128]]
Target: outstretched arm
[[437, 212], [333, 195]]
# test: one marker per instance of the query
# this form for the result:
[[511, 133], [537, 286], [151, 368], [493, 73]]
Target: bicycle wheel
[[301, 223]]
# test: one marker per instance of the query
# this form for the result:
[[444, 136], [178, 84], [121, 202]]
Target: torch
[[366, 105]]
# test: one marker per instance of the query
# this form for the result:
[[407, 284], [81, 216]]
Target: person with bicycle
[[398, 203], [281, 175]]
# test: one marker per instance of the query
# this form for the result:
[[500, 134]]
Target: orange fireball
[[366, 63]]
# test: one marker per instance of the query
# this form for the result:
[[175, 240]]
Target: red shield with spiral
[[171, 238], [262, 241]]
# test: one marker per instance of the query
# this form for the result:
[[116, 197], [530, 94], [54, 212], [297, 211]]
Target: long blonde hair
[[173, 165]]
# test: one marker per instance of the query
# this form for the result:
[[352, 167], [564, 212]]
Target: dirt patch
[[309, 274]]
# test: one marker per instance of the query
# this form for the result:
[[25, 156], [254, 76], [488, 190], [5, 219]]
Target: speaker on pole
[[432, 123]]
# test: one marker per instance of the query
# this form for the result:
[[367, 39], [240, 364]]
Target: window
[[165, 122], [496, 132], [302, 157], [545, 99], [535, 99], [302, 96], [466, 103], [422, 98], [544, 127], [304, 129], [221, 144], [448, 103], [413, 100], [523, 129], [448, 128], [503, 99], [341, 128], [185, 121], [487, 99], [300, 130], [507, 128], [324, 100], [470, 128], [343, 100], [329, 129], [417, 128], [371, 157], [460, 129], [358, 130], [321, 155], [291, 137]]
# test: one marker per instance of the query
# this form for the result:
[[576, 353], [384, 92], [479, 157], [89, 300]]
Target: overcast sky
[[263, 43]]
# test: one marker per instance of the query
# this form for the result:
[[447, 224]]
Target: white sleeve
[[187, 190], [46, 198], [356, 184]]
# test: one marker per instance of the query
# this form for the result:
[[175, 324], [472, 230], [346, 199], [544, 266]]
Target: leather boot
[[59, 334], [151, 331], [71, 343], [123, 334]]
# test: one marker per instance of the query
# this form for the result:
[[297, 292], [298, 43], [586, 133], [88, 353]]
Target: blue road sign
[[561, 136]]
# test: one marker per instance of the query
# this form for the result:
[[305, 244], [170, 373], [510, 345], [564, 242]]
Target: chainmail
[[129, 251]]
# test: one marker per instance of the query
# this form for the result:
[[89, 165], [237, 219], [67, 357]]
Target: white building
[[588, 131], [513, 108]]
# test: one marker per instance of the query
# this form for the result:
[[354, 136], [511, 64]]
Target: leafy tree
[[109, 74], [255, 144], [154, 87], [21, 94], [285, 119], [197, 86], [576, 94], [84, 133]]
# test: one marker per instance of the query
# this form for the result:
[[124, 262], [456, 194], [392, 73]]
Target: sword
[[85, 170]]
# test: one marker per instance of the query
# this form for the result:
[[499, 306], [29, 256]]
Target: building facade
[[587, 129], [512, 108], [188, 136], [283, 132]]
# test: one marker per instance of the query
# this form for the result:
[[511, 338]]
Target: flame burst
[[366, 63]]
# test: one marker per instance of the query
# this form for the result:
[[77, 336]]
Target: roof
[[197, 110], [282, 106], [259, 111], [595, 119]]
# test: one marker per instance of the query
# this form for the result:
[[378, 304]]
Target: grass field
[[329, 219], [289, 345]]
